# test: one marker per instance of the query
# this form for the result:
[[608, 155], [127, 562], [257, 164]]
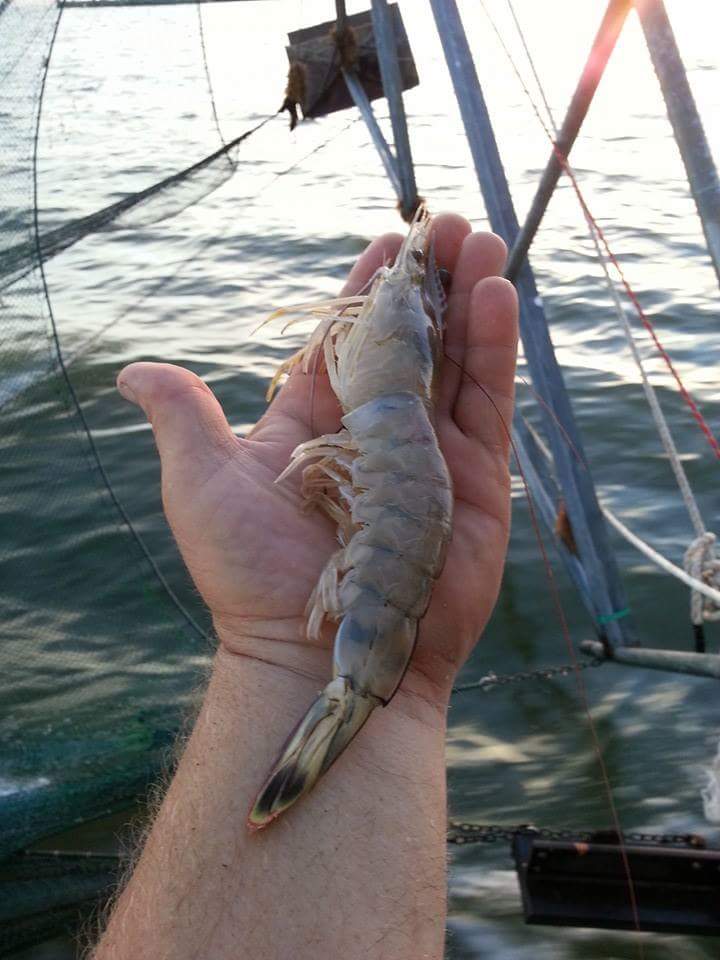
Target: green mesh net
[[103, 641]]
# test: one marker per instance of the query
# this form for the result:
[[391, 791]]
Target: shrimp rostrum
[[383, 480]]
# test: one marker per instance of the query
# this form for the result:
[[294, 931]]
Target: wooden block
[[315, 82]]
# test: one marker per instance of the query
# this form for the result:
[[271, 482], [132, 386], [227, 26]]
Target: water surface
[[128, 103]]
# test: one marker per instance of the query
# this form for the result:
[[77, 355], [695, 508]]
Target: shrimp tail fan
[[327, 728]]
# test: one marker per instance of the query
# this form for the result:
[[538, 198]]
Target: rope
[[206, 67], [19, 260], [703, 585], [701, 565], [697, 584], [700, 562]]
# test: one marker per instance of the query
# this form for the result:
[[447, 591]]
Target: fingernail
[[125, 390]]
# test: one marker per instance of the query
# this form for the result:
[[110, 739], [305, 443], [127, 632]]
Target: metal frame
[[685, 119], [392, 84], [398, 165], [603, 45], [606, 592], [590, 562]]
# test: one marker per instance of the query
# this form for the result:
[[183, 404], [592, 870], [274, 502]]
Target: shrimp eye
[[418, 255]]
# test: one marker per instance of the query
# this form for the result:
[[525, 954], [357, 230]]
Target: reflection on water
[[127, 104]]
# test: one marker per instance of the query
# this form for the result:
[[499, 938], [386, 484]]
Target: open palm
[[255, 555]]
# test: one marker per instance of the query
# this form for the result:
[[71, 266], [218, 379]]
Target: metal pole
[[340, 14], [675, 661], [687, 126], [356, 91], [386, 46], [545, 499], [603, 46], [574, 478]]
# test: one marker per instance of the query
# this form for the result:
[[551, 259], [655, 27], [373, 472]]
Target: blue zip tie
[[611, 617]]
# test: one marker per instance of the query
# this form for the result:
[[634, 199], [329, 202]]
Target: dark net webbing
[[155, 203], [40, 894], [101, 648]]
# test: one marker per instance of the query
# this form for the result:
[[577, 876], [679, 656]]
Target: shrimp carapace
[[383, 480]]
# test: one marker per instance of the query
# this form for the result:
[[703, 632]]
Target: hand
[[206, 886], [255, 555]]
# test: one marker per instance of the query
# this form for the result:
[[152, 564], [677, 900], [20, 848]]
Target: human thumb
[[191, 430]]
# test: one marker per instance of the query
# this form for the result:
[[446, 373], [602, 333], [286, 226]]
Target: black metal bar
[[603, 45], [584, 883]]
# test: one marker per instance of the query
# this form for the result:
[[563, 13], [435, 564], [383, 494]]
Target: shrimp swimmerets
[[385, 483]]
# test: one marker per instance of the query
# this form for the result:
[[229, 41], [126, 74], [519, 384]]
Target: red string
[[685, 393], [579, 678], [565, 435]]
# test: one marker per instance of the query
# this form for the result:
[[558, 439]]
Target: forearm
[[356, 870]]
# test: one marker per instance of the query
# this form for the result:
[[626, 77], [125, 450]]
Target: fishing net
[[155, 203], [102, 640]]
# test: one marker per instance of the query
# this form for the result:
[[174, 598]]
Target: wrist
[[399, 753], [305, 667], [378, 813]]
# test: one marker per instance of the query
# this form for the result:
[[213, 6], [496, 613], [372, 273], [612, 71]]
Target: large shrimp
[[385, 483]]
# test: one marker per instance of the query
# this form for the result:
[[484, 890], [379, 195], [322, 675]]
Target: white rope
[[695, 584], [704, 587], [651, 397], [700, 561], [701, 564], [698, 581], [702, 568]]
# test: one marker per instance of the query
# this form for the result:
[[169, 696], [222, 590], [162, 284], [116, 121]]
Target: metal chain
[[495, 680], [461, 833]]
